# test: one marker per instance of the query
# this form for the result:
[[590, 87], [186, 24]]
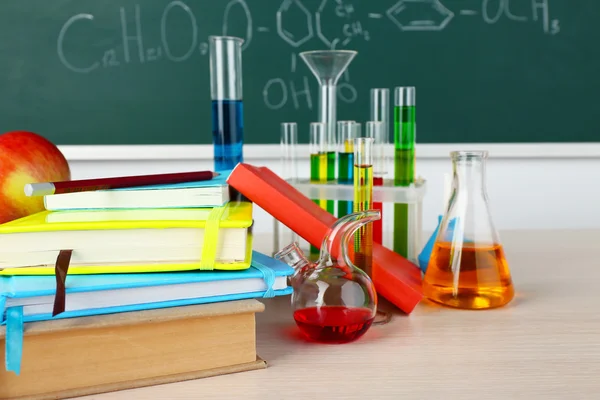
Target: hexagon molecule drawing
[[325, 7], [420, 15], [294, 22]]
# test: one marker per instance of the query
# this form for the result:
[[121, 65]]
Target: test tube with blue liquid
[[227, 105]]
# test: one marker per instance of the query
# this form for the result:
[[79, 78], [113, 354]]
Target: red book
[[395, 278]]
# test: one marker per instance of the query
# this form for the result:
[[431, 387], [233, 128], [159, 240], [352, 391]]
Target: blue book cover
[[31, 298], [108, 293]]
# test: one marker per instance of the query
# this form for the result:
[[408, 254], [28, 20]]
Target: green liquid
[[404, 127], [404, 167], [330, 204], [404, 170], [322, 169], [331, 165], [345, 177]]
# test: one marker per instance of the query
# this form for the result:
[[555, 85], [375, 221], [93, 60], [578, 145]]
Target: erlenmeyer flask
[[467, 268], [333, 300]]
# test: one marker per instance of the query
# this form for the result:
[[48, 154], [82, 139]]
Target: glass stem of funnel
[[327, 105]]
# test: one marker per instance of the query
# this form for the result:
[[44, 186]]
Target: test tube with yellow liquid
[[363, 200]]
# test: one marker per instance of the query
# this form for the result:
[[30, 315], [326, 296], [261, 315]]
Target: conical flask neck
[[468, 218], [469, 172]]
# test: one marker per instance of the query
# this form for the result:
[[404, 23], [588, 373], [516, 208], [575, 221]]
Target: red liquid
[[334, 324], [378, 225]]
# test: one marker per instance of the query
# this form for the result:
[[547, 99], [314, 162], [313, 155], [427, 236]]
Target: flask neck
[[293, 256], [470, 172]]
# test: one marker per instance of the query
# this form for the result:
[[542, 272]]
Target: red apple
[[27, 157]]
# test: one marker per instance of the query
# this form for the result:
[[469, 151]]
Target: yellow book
[[129, 241]]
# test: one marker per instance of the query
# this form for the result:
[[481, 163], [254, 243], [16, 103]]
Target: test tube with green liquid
[[363, 200], [404, 159], [346, 137], [321, 168]]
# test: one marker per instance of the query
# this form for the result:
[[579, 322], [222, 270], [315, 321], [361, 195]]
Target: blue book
[[31, 298], [196, 194], [111, 293]]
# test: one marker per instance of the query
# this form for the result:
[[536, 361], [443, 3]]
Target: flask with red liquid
[[333, 301]]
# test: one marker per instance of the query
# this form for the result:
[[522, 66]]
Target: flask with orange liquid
[[467, 268]]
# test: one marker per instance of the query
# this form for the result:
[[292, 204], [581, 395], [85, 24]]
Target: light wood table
[[543, 345]]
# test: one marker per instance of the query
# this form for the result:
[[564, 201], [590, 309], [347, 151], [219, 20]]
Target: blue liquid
[[228, 133]]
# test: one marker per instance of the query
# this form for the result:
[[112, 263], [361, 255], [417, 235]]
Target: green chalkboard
[[136, 72]]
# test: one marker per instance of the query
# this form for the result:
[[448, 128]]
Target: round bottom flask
[[333, 300]]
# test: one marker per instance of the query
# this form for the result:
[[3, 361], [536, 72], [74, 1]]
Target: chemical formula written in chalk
[[176, 34], [335, 23]]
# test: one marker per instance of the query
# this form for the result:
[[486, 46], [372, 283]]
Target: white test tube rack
[[388, 195]]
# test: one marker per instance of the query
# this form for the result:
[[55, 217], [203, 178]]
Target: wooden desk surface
[[543, 345]]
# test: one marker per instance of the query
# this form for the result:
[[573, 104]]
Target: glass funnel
[[327, 66], [333, 300], [467, 267]]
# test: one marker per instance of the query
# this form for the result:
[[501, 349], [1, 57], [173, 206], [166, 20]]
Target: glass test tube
[[404, 160], [319, 167], [282, 235], [346, 137], [227, 105], [318, 153], [375, 131], [289, 148], [380, 110], [363, 200], [356, 126]]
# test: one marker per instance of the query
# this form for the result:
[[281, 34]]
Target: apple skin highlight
[[26, 157]]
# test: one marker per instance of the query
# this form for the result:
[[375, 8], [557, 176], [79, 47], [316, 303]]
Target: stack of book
[[127, 287]]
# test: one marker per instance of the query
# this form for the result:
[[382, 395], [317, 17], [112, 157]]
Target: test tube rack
[[388, 194]]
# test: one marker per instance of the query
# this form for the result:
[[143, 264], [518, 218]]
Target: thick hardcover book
[[129, 241], [89, 355]]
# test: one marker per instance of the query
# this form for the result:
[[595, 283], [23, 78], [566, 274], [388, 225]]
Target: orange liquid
[[480, 280]]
